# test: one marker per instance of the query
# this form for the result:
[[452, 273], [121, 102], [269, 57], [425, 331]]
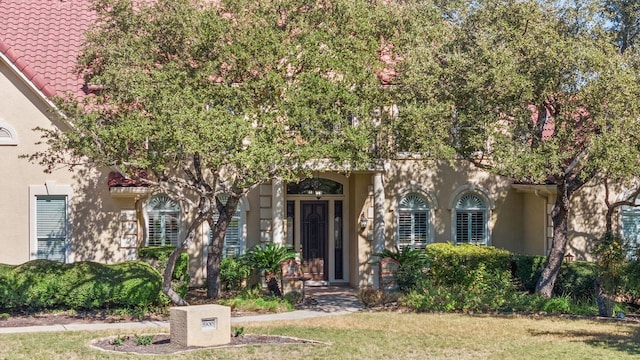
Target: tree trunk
[[175, 298], [605, 304], [272, 284], [214, 256], [560, 220]]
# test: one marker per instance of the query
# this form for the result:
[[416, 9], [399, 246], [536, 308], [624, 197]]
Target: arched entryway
[[316, 208]]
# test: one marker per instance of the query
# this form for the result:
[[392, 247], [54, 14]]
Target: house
[[336, 222]]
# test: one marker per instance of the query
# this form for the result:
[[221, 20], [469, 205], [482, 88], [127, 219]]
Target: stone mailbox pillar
[[200, 325]]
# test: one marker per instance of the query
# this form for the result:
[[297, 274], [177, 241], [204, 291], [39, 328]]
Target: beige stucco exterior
[[108, 225]]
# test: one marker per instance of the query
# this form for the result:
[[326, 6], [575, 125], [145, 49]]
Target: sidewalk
[[331, 301]]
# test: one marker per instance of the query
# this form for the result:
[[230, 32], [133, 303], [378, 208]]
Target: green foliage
[[144, 340], [631, 280], [251, 303], [413, 266], [577, 280], [481, 291], [237, 331], [293, 297], [158, 257], [611, 260], [44, 284], [454, 264], [526, 271], [268, 257], [233, 273], [557, 305], [237, 92], [118, 340]]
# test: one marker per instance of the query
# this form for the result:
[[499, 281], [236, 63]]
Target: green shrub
[[577, 280], [481, 290], [45, 284], [233, 273], [144, 340], [526, 270], [412, 269], [557, 305], [451, 264], [630, 284], [268, 258]]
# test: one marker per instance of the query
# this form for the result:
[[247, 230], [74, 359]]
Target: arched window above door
[[312, 185]]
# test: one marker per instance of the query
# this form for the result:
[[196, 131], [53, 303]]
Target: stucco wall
[[93, 228], [587, 219], [443, 182], [534, 223]]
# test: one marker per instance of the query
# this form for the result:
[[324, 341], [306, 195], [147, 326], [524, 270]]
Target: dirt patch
[[161, 343]]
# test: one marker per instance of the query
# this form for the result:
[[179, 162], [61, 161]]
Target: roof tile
[[43, 39]]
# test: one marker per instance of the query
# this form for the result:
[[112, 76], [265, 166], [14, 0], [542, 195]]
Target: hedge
[[45, 284], [452, 264]]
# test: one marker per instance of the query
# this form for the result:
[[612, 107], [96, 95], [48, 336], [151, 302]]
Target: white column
[[378, 224], [277, 193]]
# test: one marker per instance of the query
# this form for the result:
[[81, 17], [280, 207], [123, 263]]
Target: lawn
[[384, 336]]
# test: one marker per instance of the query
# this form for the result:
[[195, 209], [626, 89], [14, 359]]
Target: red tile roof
[[42, 38]]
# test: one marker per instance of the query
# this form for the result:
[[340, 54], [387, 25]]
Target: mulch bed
[[161, 343]]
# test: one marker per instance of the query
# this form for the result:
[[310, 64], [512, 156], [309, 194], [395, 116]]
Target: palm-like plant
[[268, 258], [412, 269]]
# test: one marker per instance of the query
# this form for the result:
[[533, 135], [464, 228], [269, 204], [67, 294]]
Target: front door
[[315, 230]]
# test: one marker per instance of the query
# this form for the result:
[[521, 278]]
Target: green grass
[[384, 336]]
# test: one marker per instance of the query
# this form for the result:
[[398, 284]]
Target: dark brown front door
[[314, 239]]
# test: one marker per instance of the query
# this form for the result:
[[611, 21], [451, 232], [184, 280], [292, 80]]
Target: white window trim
[[432, 203], [145, 217], [12, 140], [49, 188], [483, 194], [245, 207], [635, 210]]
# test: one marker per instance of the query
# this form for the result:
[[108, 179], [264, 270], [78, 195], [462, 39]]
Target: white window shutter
[[51, 227]]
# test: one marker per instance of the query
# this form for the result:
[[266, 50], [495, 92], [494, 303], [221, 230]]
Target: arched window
[[163, 221], [471, 216], [413, 221], [8, 135]]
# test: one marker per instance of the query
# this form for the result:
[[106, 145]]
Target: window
[[630, 226], [470, 221], [8, 135], [234, 237], [51, 227], [413, 222], [163, 221]]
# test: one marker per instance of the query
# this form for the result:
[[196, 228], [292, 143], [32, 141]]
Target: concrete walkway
[[322, 301]]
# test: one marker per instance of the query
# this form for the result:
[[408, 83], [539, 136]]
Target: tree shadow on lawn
[[628, 342]]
